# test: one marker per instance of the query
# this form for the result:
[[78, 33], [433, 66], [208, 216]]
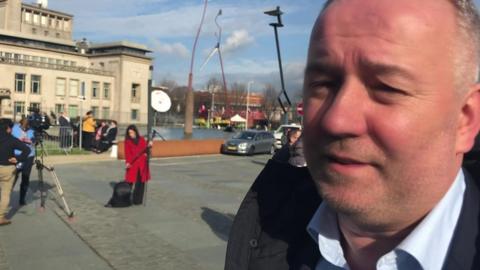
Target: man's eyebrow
[[323, 67], [378, 68]]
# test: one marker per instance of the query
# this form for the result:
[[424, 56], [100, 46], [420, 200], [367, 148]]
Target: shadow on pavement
[[261, 163], [219, 223]]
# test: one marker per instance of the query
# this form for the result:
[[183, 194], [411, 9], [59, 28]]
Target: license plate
[[232, 148]]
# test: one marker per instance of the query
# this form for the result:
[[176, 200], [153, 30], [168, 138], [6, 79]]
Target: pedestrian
[[137, 171], [25, 134], [65, 134], [291, 137], [88, 130], [391, 105], [8, 144]]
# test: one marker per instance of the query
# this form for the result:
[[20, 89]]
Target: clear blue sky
[[168, 28]]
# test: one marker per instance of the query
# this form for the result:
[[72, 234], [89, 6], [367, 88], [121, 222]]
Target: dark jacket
[[110, 135], [8, 144], [269, 230]]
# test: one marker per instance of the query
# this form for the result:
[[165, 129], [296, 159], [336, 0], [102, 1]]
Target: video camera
[[37, 121]]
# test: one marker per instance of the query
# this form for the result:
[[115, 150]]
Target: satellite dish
[[160, 101]]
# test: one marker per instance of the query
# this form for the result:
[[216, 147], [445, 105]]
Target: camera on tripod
[[38, 122]]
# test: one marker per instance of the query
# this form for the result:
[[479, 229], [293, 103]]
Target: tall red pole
[[189, 97]]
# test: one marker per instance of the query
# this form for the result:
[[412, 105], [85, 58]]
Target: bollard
[[114, 151]]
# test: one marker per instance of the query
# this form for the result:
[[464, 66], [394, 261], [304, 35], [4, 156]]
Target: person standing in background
[[25, 134], [8, 144], [88, 130], [65, 131]]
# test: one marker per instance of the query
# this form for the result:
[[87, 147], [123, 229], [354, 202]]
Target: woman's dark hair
[[137, 137]]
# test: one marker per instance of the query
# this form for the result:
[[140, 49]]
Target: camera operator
[[8, 144], [25, 134]]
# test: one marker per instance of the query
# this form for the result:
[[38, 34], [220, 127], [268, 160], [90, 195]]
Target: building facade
[[41, 66]]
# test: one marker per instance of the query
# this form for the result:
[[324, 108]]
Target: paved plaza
[[191, 203]]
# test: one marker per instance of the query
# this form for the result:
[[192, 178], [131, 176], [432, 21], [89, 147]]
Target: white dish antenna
[[160, 101]]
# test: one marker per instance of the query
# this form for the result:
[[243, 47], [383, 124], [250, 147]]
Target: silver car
[[250, 142]]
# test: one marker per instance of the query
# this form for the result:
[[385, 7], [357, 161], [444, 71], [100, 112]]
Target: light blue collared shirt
[[425, 248], [19, 133]]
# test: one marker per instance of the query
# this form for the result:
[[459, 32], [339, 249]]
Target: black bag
[[121, 195]]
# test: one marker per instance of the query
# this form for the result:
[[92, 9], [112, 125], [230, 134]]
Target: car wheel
[[251, 151], [272, 150]]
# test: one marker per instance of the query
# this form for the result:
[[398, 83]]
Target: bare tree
[[177, 95], [238, 96], [270, 102]]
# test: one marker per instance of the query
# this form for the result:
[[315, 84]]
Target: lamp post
[[210, 113], [278, 13], [189, 96], [248, 95]]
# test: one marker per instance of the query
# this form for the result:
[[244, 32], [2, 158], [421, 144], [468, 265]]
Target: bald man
[[391, 105]]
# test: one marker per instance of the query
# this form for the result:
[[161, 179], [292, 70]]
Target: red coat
[[137, 161]]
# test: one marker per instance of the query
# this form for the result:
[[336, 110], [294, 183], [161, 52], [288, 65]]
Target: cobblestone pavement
[[190, 205]]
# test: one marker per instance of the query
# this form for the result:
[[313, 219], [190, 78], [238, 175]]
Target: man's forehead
[[386, 15]]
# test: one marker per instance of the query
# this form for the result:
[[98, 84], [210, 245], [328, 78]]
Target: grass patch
[[73, 151]]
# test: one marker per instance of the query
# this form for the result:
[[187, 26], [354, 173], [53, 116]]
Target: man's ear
[[469, 124]]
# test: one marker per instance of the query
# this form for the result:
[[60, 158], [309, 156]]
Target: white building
[[41, 66]]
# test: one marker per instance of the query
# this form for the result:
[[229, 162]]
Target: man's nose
[[344, 114]]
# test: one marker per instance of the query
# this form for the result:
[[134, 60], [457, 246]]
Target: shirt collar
[[428, 243]]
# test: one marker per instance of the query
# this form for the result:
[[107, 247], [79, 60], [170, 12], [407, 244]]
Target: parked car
[[281, 132], [250, 142]]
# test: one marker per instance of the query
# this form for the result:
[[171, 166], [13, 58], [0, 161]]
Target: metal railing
[[59, 139]]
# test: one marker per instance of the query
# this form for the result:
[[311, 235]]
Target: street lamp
[[189, 96], [248, 94], [278, 13]]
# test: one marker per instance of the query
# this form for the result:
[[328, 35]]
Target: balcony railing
[[54, 66]]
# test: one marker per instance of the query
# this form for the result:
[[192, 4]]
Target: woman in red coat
[[136, 162]]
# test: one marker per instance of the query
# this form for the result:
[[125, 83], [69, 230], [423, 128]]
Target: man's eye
[[387, 89], [321, 89]]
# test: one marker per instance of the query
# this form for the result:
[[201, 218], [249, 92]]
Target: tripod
[[40, 167]]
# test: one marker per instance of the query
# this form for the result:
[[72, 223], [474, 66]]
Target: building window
[[134, 115], [19, 82], [105, 112], [19, 107], [36, 19], [35, 105], [60, 87], [59, 108], [34, 30], [73, 111], [135, 93], [45, 33], [28, 16], [73, 89], [35, 84], [95, 89], [82, 90], [57, 35], [106, 90], [44, 20], [66, 25], [95, 111]]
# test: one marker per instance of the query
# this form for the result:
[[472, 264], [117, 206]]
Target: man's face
[[381, 107]]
